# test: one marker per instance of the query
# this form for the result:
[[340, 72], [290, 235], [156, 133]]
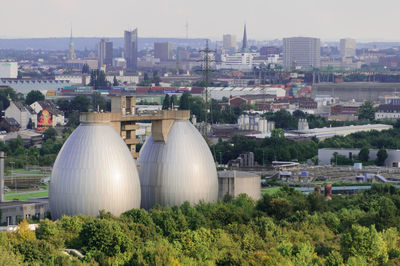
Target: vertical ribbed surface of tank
[[94, 171], [181, 169]]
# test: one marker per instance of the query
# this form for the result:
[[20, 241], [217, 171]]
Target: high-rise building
[[229, 42], [131, 49], [163, 51], [244, 45], [301, 51], [105, 50], [348, 47], [71, 53]]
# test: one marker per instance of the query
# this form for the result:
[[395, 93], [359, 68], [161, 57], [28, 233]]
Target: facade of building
[[9, 70], [163, 50], [387, 111], [48, 114], [131, 49], [22, 114], [269, 50], [347, 47], [301, 51], [15, 211], [105, 53], [234, 183], [229, 42], [10, 124]]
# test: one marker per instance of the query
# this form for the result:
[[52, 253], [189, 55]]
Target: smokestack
[[2, 156]]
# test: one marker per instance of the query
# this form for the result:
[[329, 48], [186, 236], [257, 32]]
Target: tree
[[366, 111], [115, 81], [277, 133], [80, 103], [34, 96], [363, 155], [381, 157], [166, 103], [104, 236], [50, 133], [85, 69], [98, 79], [184, 101]]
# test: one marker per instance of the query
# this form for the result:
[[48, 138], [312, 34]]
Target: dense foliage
[[287, 228], [265, 150]]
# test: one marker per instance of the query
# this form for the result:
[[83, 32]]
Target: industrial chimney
[[2, 156]]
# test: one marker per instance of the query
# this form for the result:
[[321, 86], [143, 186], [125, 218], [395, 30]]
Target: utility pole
[[206, 70]]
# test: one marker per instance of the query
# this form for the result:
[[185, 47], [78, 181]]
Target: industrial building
[[328, 132], [358, 91], [94, 171], [177, 166], [234, 183], [325, 156], [219, 92]]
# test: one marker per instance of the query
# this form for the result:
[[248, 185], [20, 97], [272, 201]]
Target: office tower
[[131, 49], [244, 45], [105, 50], [71, 53], [229, 42], [301, 51], [163, 51], [347, 47]]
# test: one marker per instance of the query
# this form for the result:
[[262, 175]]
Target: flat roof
[[241, 174]]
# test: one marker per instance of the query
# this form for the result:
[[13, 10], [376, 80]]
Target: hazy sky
[[266, 19]]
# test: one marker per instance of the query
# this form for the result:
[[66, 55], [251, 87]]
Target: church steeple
[[244, 45], [71, 54]]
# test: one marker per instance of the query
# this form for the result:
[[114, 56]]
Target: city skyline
[[168, 19]]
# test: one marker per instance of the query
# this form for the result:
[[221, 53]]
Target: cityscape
[[240, 142]]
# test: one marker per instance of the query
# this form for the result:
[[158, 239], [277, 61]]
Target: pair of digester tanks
[[95, 171]]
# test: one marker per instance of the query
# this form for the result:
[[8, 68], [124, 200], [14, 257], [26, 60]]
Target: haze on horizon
[[266, 19]]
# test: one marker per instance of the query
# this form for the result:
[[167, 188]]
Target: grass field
[[270, 190], [27, 196]]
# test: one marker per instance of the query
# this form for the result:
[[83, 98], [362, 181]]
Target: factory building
[[177, 167], [328, 132], [234, 183], [325, 156], [94, 171]]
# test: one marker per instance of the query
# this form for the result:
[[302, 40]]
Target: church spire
[[71, 54], [244, 45]]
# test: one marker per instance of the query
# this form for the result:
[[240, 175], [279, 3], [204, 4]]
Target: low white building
[[22, 114]]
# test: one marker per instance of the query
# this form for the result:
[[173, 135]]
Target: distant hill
[[91, 43]]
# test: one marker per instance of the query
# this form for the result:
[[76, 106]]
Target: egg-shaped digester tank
[[94, 171], [178, 170]]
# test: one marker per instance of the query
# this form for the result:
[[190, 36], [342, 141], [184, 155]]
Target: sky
[[265, 19]]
